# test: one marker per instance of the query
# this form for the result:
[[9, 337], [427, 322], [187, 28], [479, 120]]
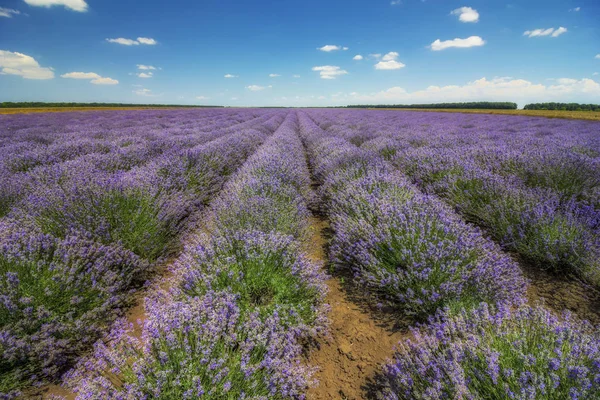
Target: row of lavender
[[411, 249], [533, 185], [243, 300], [93, 216]]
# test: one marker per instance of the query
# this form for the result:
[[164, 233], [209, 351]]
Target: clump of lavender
[[546, 227], [56, 298], [203, 347], [407, 247], [497, 353], [266, 271]]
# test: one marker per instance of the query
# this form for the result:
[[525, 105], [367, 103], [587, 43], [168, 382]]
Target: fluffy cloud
[[499, 89], [8, 12], [545, 32], [132, 42], [75, 5], [466, 14], [358, 57], [145, 75], [274, 75], [331, 47], [295, 76], [255, 88], [105, 81], [142, 67], [597, 57], [92, 77], [81, 75], [229, 76], [147, 41], [390, 62], [329, 71], [23, 65], [395, 2], [576, 9], [472, 41]]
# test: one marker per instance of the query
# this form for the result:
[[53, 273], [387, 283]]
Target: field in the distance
[[586, 115]]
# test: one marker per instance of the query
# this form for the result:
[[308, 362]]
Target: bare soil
[[559, 293], [358, 342]]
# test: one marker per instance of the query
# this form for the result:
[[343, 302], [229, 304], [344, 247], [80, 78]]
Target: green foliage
[[131, 217], [482, 105], [563, 106], [40, 104]]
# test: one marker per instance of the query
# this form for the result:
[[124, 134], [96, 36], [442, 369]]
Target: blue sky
[[412, 51]]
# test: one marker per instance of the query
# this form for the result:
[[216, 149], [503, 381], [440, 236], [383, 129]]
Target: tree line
[[563, 106], [483, 105], [39, 104]]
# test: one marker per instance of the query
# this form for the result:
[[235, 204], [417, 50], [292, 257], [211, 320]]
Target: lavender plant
[[497, 353], [404, 246]]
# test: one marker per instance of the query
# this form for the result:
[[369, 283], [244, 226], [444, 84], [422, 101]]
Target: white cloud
[[23, 65], [92, 77], [105, 81], [576, 9], [132, 42], [331, 47], [329, 71], [255, 88], [376, 56], [145, 75], [147, 41], [75, 5], [142, 67], [274, 75], [202, 97], [229, 76], [296, 76], [390, 62], [358, 57], [345, 48], [466, 14], [499, 89], [81, 75], [597, 57], [8, 12], [595, 74], [395, 2], [545, 32], [472, 41]]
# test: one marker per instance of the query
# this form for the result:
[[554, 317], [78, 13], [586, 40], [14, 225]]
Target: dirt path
[[560, 293], [357, 345]]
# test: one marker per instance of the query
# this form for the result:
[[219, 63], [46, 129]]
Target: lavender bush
[[203, 347], [406, 247], [497, 353]]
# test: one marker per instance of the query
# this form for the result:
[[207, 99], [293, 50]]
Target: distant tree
[[38, 104], [563, 106], [482, 105]]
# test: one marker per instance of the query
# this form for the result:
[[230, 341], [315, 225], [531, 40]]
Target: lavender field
[[172, 254]]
